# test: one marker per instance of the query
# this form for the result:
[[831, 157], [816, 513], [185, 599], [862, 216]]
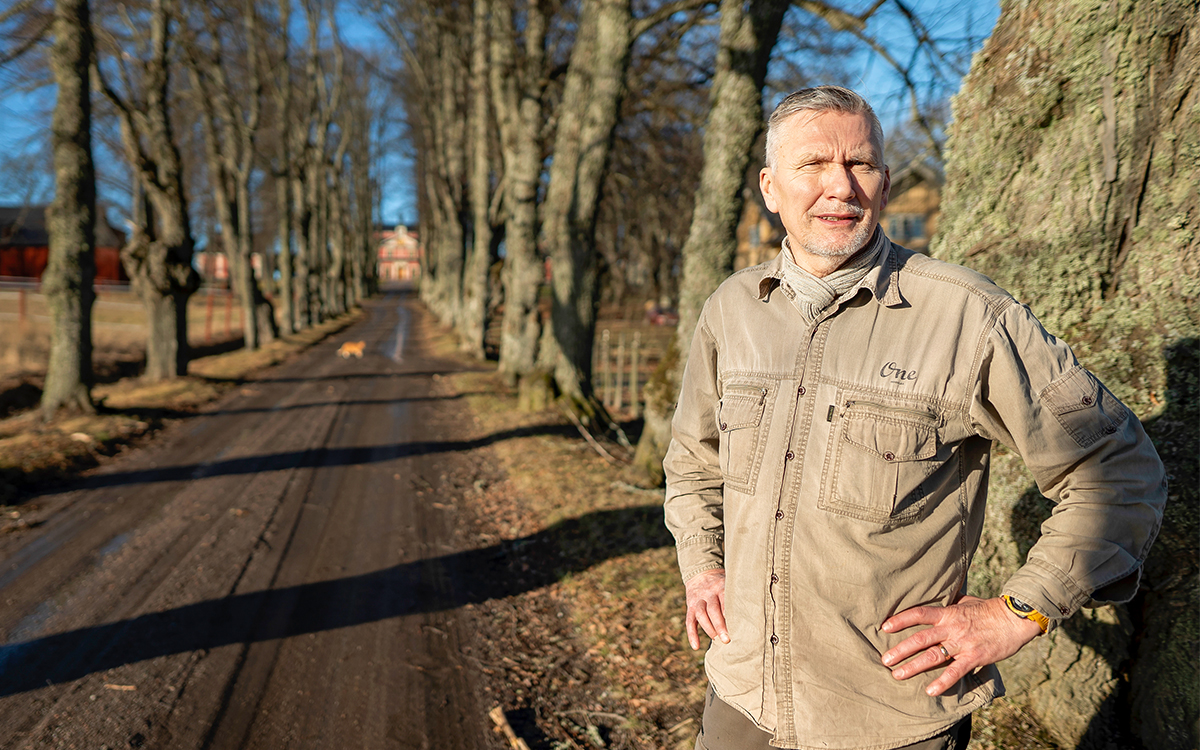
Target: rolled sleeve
[[1087, 452], [694, 506]]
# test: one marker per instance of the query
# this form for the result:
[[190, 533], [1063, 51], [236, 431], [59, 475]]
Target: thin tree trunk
[[748, 34], [70, 271]]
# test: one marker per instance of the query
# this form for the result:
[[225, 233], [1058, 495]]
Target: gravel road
[[281, 571]]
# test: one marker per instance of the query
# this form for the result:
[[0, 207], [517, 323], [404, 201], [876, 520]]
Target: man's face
[[828, 186]]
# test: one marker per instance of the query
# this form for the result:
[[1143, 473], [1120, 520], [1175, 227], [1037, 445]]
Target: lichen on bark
[[1071, 180]]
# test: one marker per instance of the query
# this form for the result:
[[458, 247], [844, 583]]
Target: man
[[828, 469]]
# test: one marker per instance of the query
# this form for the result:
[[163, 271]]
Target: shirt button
[[1110, 429], [1087, 400], [801, 391], [889, 456], [723, 427], [779, 515], [774, 640], [789, 455], [774, 578]]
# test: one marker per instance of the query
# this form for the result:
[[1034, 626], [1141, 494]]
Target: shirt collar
[[883, 279]]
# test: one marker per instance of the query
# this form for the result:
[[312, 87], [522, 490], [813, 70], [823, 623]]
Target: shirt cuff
[[700, 553]]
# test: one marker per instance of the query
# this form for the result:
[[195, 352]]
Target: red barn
[[25, 245]]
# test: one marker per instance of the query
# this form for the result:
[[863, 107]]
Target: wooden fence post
[[635, 381], [620, 396], [208, 316], [605, 382]]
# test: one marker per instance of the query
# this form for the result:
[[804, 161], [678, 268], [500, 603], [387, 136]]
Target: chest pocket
[[742, 419], [883, 455]]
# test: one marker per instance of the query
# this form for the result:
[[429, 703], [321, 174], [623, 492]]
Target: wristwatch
[[1026, 612]]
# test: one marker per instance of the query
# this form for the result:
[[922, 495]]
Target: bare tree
[[70, 271], [229, 117], [158, 255], [518, 84], [748, 34], [473, 318]]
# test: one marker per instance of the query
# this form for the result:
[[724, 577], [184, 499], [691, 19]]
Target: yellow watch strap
[[1033, 615]]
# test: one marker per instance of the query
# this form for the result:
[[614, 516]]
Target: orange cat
[[352, 348]]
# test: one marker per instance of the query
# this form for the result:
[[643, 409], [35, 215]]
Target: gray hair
[[817, 100]]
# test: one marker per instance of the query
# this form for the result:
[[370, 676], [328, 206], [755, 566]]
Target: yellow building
[[911, 216]]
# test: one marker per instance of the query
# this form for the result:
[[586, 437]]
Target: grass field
[[118, 326]]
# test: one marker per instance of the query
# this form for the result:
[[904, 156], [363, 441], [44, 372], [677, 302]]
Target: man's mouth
[[847, 215]]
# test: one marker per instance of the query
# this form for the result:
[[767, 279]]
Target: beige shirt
[[838, 473]]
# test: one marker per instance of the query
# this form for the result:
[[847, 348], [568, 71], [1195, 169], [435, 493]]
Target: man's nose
[[839, 182]]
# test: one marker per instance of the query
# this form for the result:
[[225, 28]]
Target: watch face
[[1020, 605]]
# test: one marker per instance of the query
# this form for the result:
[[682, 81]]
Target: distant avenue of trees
[[254, 115]]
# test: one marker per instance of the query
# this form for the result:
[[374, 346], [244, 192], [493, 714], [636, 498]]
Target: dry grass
[[118, 327]]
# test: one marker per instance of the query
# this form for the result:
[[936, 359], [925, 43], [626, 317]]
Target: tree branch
[[642, 25]]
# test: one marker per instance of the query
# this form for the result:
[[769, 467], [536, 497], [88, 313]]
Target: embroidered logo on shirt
[[896, 374]]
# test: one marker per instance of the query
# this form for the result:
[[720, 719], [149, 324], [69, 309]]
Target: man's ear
[[887, 187], [765, 179]]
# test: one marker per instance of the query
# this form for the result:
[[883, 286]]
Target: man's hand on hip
[[706, 605], [963, 636]]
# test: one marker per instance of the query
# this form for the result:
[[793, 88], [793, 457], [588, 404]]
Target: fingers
[[913, 644], [964, 636], [706, 607], [910, 617], [708, 614]]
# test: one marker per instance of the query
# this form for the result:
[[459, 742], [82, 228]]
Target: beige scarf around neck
[[812, 295]]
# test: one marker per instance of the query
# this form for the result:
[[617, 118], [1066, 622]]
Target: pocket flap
[[741, 407], [892, 439], [1083, 406]]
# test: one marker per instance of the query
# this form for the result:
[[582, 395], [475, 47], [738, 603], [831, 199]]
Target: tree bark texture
[[1071, 180], [517, 97], [748, 34], [70, 271]]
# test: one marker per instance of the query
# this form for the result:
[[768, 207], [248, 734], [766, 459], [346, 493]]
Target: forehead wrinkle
[[827, 155]]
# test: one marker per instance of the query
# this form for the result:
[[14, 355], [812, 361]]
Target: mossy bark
[[1071, 180], [70, 271]]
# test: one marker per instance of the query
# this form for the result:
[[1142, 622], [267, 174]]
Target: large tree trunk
[[158, 256], [748, 34], [473, 320], [1071, 180], [68, 279], [517, 97], [587, 117]]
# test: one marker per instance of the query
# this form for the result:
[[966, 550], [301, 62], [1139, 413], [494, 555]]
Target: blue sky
[[25, 116]]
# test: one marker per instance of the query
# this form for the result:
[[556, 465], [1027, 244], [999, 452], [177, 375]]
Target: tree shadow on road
[[314, 458], [435, 584]]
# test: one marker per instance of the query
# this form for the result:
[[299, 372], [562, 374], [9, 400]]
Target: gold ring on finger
[[945, 653]]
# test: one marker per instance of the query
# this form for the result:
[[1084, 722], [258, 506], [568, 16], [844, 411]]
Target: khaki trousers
[[726, 728]]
